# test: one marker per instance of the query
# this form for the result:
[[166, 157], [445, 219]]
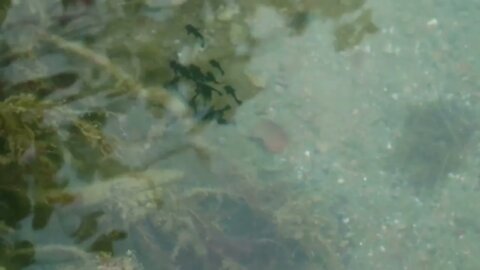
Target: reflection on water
[[168, 134]]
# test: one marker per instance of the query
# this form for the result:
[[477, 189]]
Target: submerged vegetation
[[95, 95]]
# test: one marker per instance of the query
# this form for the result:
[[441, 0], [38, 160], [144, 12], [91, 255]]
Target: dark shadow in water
[[432, 143]]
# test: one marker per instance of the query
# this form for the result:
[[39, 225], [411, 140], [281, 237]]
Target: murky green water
[[225, 134]]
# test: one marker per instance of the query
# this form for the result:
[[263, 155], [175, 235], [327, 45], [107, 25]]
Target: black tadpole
[[231, 91], [206, 91], [217, 115], [210, 78], [191, 30], [179, 69], [196, 73], [216, 65]]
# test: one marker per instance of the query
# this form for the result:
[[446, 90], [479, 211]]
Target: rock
[[271, 136]]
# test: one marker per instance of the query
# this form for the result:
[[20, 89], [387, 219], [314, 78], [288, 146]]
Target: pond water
[[227, 134]]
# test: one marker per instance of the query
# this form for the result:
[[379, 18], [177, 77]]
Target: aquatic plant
[[63, 145]]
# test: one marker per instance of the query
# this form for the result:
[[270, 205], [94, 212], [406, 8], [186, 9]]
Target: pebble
[[432, 23], [271, 136]]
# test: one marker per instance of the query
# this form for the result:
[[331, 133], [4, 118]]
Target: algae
[[59, 159]]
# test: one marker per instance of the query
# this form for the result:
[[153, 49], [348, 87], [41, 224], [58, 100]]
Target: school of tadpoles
[[205, 85]]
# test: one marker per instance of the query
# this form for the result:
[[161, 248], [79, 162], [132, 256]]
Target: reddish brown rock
[[271, 136]]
